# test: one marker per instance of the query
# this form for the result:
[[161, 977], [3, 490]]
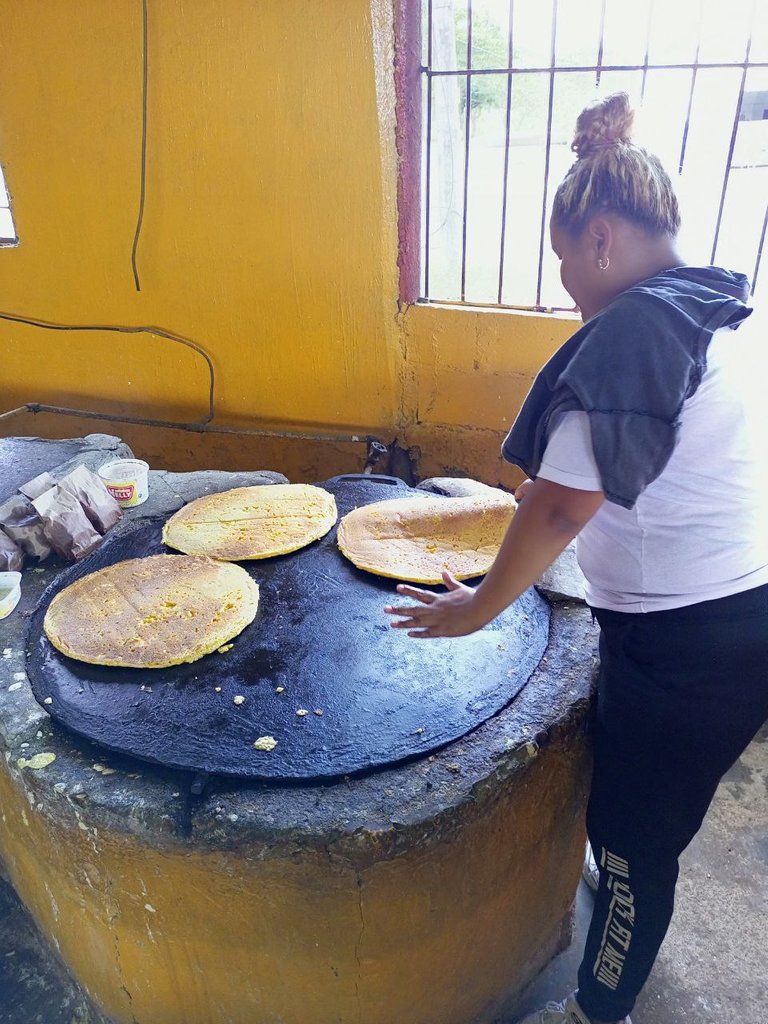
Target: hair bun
[[603, 123]]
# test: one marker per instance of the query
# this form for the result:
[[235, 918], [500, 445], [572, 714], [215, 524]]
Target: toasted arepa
[[152, 612], [252, 522], [416, 539]]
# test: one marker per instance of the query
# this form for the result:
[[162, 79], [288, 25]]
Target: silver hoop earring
[[604, 262]]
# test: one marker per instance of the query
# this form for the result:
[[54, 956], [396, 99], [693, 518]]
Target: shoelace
[[571, 1017], [558, 1008]]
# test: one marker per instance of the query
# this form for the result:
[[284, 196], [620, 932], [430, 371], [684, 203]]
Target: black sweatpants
[[681, 693]]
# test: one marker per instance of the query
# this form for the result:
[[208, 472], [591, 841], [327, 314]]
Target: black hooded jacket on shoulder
[[630, 368]]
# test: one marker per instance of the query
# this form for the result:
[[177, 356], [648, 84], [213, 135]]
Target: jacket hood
[[713, 279]]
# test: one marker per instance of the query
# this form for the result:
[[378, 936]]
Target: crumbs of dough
[[265, 743]]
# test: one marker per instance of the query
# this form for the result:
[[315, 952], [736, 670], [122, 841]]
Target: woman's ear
[[600, 234]]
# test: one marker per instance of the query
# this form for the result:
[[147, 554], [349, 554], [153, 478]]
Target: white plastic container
[[10, 592], [126, 480]]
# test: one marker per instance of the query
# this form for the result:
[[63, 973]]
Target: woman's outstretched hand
[[449, 614], [549, 516]]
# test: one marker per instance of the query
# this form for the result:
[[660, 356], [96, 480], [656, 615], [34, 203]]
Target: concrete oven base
[[448, 930], [720, 964], [429, 893]]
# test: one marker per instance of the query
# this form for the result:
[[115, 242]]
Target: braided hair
[[613, 175]]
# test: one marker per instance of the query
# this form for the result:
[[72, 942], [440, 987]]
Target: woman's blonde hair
[[612, 175]]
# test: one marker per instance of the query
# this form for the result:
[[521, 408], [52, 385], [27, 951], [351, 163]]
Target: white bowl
[[10, 592]]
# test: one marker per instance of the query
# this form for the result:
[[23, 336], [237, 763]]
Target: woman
[[641, 434]]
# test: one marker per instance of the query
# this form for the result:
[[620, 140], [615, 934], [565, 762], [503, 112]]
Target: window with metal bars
[[499, 85], [7, 227]]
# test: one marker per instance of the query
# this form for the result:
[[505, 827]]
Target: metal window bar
[[759, 250], [427, 218], [734, 132], [467, 126], [553, 70], [507, 123], [547, 152], [689, 109], [565, 68], [648, 27], [601, 44]]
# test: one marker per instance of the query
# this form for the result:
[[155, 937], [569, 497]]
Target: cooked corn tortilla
[[252, 522], [152, 612], [416, 539]]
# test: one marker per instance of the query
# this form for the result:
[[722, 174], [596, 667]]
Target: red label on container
[[122, 492]]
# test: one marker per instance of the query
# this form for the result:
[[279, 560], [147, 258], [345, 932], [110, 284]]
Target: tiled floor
[[713, 968]]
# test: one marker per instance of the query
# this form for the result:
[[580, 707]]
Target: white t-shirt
[[700, 530]]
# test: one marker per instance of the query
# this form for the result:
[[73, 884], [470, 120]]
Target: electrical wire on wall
[[202, 425], [51, 325], [142, 193]]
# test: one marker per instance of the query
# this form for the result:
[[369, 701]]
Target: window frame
[[7, 241], [409, 77]]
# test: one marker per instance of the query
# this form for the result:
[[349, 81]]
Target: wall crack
[[358, 944]]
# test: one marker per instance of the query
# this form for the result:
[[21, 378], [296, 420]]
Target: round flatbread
[[152, 612], [416, 539], [252, 522]]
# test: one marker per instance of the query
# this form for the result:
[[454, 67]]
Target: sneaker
[[590, 871], [567, 1012]]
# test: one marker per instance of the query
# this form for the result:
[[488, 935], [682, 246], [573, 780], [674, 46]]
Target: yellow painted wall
[[467, 373], [269, 237]]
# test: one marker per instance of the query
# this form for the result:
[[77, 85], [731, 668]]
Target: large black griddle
[[322, 635]]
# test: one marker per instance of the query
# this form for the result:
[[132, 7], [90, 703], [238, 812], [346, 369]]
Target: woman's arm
[[544, 524]]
